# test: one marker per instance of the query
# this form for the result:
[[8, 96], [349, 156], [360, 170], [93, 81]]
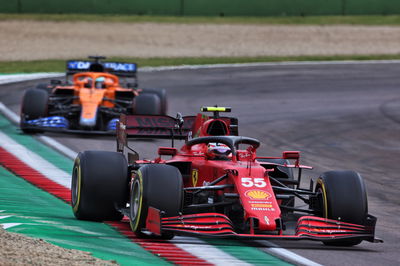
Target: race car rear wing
[[117, 68], [152, 126]]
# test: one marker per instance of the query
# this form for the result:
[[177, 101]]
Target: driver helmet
[[87, 83], [218, 150], [100, 83]]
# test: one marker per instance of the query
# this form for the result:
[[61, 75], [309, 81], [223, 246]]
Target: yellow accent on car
[[195, 176], [215, 109], [79, 178], [134, 226], [257, 194], [321, 182]]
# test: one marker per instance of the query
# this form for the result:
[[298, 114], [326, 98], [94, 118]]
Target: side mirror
[[291, 155], [167, 151]]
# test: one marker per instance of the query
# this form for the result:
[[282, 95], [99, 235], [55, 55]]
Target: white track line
[[35, 161], [58, 147], [289, 63], [5, 79], [211, 254], [285, 254], [9, 225], [11, 78]]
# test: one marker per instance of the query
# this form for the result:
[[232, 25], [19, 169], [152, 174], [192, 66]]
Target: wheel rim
[[75, 186], [323, 198], [135, 202]]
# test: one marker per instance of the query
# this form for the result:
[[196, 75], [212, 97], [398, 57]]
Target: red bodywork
[[242, 176]]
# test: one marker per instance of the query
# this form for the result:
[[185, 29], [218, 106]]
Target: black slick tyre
[[162, 94], [147, 104], [155, 185], [343, 197], [45, 87], [100, 185], [34, 105]]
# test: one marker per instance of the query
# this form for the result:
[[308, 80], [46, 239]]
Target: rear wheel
[[158, 186], [162, 94], [34, 105], [45, 87], [147, 104], [343, 197], [100, 185]]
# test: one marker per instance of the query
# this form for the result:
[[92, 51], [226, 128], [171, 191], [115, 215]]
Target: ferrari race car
[[216, 186], [90, 100]]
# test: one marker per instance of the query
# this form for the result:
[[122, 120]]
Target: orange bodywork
[[91, 89]]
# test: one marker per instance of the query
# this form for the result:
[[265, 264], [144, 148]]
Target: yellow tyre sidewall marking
[[135, 225], [325, 202], [79, 182]]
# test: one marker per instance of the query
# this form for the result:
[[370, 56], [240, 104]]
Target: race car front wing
[[219, 225], [59, 124]]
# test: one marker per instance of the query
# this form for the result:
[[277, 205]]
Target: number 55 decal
[[250, 182]]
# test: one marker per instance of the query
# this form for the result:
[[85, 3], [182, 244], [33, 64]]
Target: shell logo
[[257, 194]]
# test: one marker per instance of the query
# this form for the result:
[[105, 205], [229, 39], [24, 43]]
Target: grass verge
[[298, 20], [59, 65]]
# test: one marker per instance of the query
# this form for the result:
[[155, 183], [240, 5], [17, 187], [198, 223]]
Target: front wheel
[[342, 196], [100, 185], [34, 105], [158, 186]]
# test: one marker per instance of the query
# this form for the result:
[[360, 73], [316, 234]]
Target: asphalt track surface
[[340, 116]]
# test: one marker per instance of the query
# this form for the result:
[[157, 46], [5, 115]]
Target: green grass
[[306, 20], [59, 65]]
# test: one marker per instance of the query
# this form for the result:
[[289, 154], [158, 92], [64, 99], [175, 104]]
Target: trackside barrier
[[205, 7]]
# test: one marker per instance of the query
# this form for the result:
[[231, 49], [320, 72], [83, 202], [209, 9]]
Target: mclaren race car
[[90, 100], [216, 185]]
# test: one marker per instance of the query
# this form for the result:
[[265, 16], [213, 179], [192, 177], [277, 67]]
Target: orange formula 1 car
[[91, 99], [216, 186]]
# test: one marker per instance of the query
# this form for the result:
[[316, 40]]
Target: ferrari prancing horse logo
[[195, 176]]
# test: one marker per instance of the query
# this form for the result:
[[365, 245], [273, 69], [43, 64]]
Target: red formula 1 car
[[216, 186], [90, 100]]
